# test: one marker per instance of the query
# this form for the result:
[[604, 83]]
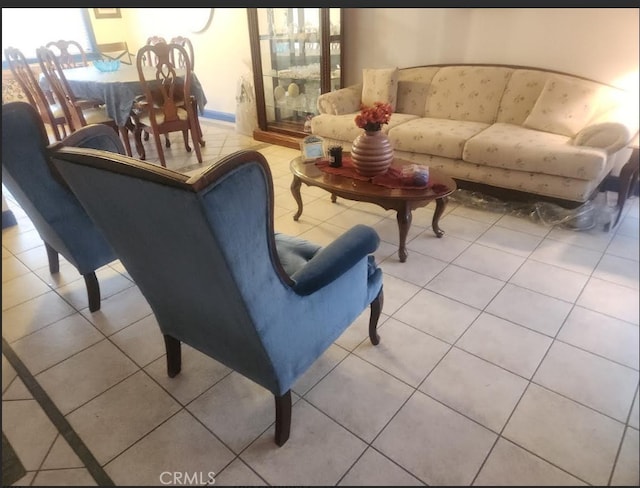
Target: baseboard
[[213, 114], [8, 219]]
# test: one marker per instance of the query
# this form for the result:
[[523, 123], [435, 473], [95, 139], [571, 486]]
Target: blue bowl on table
[[107, 65]]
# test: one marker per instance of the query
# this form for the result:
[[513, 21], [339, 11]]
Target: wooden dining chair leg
[[124, 135], [52, 257], [156, 138], [93, 291]]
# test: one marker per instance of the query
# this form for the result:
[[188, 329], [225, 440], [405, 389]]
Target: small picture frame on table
[[312, 148]]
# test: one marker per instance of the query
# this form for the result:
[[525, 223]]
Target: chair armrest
[[344, 101], [335, 259], [610, 136]]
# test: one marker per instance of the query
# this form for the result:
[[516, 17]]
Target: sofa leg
[[174, 355], [376, 308], [54, 261], [283, 418], [93, 291]]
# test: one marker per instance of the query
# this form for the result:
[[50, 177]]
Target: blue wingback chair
[[55, 212], [204, 253]]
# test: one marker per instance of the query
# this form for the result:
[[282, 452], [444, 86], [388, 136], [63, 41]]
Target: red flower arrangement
[[372, 118]]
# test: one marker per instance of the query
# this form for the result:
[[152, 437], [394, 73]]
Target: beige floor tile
[[505, 344], [404, 352], [12, 267], [199, 372], [64, 477], [17, 390], [180, 445], [142, 341], [567, 256], [611, 299], [521, 224], [56, 342], [624, 247], [121, 416], [236, 410], [466, 286], [510, 465], [33, 315], [550, 280], [34, 258], [80, 378], [319, 451], [387, 229], [588, 379], [31, 439], [568, 435], [627, 470], [634, 420], [476, 388], [530, 309], [22, 289], [396, 293], [21, 241], [61, 456], [358, 331], [374, 469], [359, 396], [119, 310], [446, 248], [489, 261], [420, 270], [480, 215], [512, 241], [238, 474], [625, 272], [319, 369], [455, 453], [591, 239], [8, 373], [437, 315], [462, 227]]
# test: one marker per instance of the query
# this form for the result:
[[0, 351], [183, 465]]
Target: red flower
[[372, 118]]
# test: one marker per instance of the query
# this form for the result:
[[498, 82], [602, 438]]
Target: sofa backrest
[[508, 94]]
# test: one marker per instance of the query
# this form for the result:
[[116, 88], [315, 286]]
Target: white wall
[[222, 51], [598, 43]]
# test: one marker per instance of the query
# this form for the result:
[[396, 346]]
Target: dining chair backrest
[[35, 95], [70, 53], [57, 80], [186, 43], [149, 59], [115, 50]]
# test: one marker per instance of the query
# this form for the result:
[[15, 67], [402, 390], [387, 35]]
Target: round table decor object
[[107, 65], [371, 153]]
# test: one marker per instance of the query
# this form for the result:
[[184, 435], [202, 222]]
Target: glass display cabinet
[[296, 55]]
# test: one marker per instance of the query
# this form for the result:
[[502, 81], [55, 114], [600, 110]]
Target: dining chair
[[150, 59], [52, 114], [78, 112], [161, 113], [180, 63], [70, 53], [217, 276], [115, 50], [57, 215]]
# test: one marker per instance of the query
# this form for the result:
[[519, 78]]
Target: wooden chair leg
[[174, 355], [376, 308], [93, 291], [283, 418], [124, 135], [54, 261]]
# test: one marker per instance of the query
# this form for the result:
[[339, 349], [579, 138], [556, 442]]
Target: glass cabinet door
[[297, 56]]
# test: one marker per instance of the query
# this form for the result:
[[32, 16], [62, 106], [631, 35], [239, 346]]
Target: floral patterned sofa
[[519, 129]]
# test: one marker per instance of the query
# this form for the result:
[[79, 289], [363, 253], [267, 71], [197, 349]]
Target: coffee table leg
[[404, 223], [334, 198], [295, 191], [441, 203]]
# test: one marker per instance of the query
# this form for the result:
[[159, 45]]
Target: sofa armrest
[[335, 259], [344, 101], [610, 136]]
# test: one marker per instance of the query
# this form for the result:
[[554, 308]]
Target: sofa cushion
[[412, 97], [438, 137], [344, 128], [380, 85], [564, 106], [520, 95], [518, 148], [470, 93]]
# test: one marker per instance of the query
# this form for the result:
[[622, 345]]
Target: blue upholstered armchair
[[204, 253], [56, 213]]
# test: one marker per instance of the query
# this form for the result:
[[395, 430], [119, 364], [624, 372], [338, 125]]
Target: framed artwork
[[107, 13], [312, 148]]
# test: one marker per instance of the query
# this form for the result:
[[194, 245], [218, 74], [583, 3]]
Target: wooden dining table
[[117, 89]]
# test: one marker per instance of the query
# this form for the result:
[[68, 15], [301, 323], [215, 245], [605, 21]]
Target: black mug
[[335, 156]]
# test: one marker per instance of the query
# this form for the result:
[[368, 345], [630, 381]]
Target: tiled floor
[[508, 355]]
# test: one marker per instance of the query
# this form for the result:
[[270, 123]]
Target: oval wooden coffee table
[[402, 200]]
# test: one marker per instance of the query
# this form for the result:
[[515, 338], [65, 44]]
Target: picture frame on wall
[[107, 13]]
